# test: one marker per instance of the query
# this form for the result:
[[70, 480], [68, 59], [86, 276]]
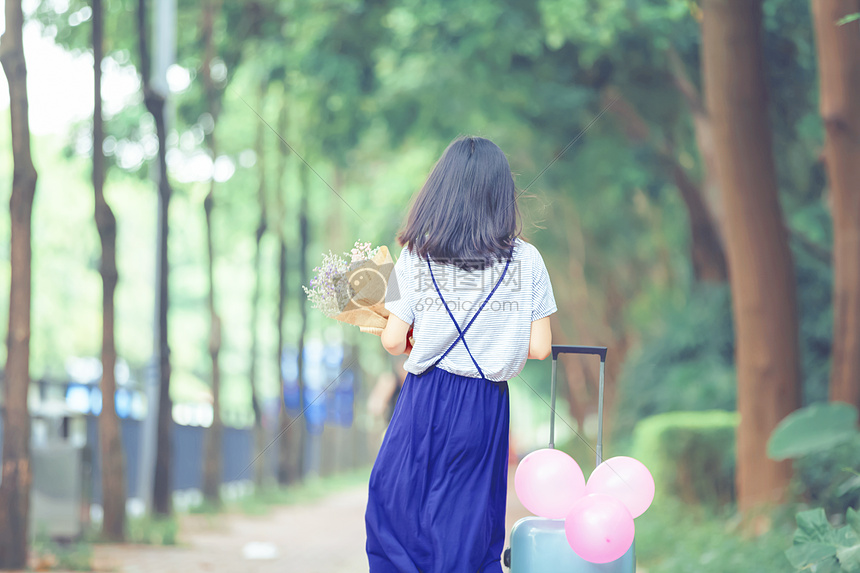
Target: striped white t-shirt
[[499, 337]]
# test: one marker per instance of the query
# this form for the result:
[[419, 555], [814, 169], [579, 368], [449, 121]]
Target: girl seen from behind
[[477, 298]]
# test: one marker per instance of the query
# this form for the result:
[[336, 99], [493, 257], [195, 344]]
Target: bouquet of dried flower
[[352, 288]]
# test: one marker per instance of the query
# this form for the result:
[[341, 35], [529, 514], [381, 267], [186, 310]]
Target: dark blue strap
[[462, 332], [456, 325]]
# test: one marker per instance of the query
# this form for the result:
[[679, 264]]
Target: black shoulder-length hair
[[466, 213]]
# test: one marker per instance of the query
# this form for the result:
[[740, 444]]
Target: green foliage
[[153, 530], [373, 91], [830, 479], [53, 555], [205, 507], [813, 429], [262, 501], [676, 537], [687, 365], [687, 361], [814, 294], [820, 547], [824, 443], [690, 454]]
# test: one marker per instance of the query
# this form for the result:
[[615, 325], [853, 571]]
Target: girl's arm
[[394, 336], [540, 341]]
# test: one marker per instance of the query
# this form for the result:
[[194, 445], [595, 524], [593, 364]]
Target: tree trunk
[[155, 105], [286, 469], [839, 71], [110, 439], [16, 472], [704, 133], [760, 263], [706, 247], [212, 462], [300, 427], [614, 312], [259, 436], [706, 250]]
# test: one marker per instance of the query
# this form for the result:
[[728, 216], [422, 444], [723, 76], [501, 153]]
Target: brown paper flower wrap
[[366, 307]]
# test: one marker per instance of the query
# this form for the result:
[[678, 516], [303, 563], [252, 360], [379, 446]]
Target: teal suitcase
[[539, 545]]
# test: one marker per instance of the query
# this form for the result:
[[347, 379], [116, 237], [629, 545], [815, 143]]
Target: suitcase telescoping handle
[[564, 349]]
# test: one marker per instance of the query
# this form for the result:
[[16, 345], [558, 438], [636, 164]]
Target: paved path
[[325, 536]]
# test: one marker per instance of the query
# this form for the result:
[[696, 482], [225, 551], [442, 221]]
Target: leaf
[[829, 566], [849, 485], [849, 18], [849, 558], [852, 518], [819, 547], [845, 537], [801, 556], [812, 429], [812, 526]]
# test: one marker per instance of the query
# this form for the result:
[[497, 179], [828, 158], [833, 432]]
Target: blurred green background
[[595, 105]]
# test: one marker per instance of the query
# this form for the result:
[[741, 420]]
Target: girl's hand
[[394, 335], [540, 340], [408, 342]]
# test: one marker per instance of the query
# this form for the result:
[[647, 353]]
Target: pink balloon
[[599, 528], [548, 482], [625, 479]]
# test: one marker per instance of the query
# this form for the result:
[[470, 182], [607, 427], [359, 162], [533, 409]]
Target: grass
[[52, 555], [260, 502], [673, 537], [151, 530], [76, 556]]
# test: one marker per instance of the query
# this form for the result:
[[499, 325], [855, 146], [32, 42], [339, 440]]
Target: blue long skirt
[[437, 491]]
